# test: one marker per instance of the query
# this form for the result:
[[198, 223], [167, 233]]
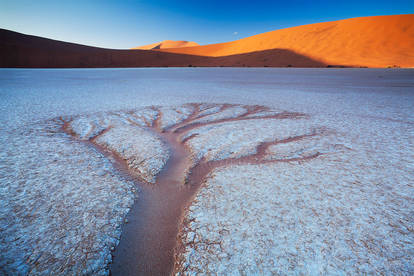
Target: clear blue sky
[[125, 24]]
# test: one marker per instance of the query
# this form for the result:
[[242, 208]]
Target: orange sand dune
[[377, 41], [167, 44]]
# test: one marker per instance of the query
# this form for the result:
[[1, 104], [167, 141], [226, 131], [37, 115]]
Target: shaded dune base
[[377, 41], [19, 50]]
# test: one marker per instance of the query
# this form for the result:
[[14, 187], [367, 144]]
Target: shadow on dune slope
[[26, 51]]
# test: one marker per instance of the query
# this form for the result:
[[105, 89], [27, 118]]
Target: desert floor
[[206, 170]]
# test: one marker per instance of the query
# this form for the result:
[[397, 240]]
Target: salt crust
[[208, 109], [330, 215], [214, 114], [174, 115], [127, 135], [68, 202], [241, 138], [73, 200], [143, 151], [333, 214], [62, 204]]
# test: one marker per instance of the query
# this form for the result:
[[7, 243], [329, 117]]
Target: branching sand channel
[[170, 151]]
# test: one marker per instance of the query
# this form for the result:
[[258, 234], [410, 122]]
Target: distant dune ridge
[[167, 44], [377, 41]]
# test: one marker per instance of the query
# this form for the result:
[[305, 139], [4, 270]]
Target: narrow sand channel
[[149, 238]]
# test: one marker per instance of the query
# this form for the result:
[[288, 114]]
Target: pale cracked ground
[[309, 203], [283, 192], [280, 195]]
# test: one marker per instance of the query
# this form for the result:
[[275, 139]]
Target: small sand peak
[[166, 44]]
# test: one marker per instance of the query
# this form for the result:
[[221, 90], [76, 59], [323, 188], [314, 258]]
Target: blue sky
[[124, 24]]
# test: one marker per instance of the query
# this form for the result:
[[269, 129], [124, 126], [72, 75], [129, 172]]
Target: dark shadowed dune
[[20, 50]]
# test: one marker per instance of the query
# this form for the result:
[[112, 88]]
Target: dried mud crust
[[297, 218], [260, 191], [136, 136], [214, 135], [63, 204], [293, 199]]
